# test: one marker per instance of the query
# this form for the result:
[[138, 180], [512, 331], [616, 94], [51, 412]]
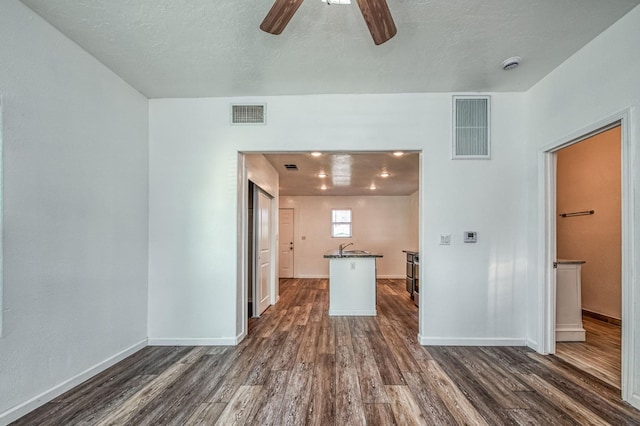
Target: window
[[341, 223]]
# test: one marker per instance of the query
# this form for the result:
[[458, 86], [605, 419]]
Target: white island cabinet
[[352, 283], [569, 301]]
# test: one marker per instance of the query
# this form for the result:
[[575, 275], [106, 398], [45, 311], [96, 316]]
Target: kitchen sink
[[355, 252]]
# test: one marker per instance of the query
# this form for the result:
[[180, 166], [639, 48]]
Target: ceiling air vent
[[471, 127], [248, 114], [291, 167]]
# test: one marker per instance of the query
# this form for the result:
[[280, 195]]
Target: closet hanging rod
[[584, 213]]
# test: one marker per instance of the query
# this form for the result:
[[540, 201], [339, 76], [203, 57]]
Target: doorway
[[286, 253], [304, 258], [548, 254], [588, 246]]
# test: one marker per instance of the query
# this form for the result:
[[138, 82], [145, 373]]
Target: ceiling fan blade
[[378, 18], [279, 16]]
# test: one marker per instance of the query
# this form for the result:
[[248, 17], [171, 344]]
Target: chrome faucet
[[342, 247]]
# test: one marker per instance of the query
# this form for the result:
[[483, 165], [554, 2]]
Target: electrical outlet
[[445, 239], [353, 265], [470, 237]]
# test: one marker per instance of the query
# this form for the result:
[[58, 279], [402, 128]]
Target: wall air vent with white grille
[[471, 127], [248, 114]]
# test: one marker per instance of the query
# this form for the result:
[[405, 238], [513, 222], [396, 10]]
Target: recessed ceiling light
[[323, 187], [322, 175], [372, 187], [384, 174], [316, 154], [398, 153], [511, 63]]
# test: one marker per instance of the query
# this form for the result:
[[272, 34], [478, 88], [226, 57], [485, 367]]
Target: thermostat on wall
[[470, 237]]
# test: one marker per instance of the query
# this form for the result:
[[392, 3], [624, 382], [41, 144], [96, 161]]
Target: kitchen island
[[352, 282]]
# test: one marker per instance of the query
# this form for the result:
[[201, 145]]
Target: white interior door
[[262, 216], [285, 244]]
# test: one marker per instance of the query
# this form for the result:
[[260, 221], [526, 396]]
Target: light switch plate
[[445, 239]]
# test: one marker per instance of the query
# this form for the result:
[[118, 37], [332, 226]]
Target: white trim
[[26, 407], [353, 312], [1, 224], [630, 129], [532, 344], [196, 341], [546, 247], [572, 334], [322, 276], [471, 341], [242, 255], [635, 400]]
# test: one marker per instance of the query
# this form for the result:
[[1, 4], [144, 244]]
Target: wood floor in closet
[[600, 354], [300, 366]]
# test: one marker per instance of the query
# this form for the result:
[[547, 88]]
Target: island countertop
[[335, 254]]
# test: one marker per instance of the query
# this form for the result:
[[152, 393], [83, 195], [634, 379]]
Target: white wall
[[75, 212], [471, 291], [380, 224], [598, 81]]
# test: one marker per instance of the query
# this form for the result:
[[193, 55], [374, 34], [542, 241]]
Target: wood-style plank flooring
[[600, 354], [300, 366]]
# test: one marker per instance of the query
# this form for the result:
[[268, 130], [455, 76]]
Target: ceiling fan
[[375, 12]]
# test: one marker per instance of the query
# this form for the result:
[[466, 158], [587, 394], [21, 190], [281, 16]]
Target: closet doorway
[[589, 255]]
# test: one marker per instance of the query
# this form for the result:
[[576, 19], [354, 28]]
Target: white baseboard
[[353, 312], [470, 341], [196, 341], [26, 407], [571, 335], [384, 277], [532, 344], [635, 401]]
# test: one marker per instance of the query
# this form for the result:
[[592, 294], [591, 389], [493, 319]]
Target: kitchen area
[[377, 197]]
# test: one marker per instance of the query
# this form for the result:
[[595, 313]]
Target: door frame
[[547, 242], [293, 265], [242, 320]]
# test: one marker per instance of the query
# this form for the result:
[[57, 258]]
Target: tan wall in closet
[[589, 178]]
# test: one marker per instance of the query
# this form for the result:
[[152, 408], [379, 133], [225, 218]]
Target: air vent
[[248, 114], [471, 127], [291, 167]]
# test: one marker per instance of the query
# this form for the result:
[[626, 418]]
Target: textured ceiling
[[347, 173], [198, 48]]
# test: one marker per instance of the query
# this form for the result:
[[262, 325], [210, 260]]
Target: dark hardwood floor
[[600, 354], [300, 366]]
